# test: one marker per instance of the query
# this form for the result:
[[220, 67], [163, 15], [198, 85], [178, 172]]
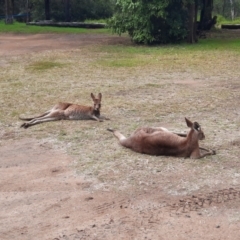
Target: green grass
[[124, 62], [219, 41], [17, 27], [222, 20], [96, 21], [121, 56], [44, 65]]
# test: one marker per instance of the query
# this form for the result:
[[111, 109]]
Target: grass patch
[[124, 62], [222, 20], [44, 65], [206, 45], [17, 27], [183, 55], [96, 21]]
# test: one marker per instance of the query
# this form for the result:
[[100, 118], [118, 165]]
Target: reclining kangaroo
[[68, 111], [160, 141]]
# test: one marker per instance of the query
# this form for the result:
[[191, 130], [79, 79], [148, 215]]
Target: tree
[[192, 15], [156, 21], [206, 14], [8, 11], [229, 9], [69, 10]]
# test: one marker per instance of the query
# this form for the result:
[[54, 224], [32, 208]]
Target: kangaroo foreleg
[[212, 152], [207, 152], [180, 134], [197, 154], [103, 118], [96, 118], [156, 129]]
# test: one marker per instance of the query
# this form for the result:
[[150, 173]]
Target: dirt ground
[[42, 196]]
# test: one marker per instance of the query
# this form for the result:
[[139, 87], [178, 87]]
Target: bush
[[150, 21]]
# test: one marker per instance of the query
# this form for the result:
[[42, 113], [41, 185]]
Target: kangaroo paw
[[214, 152], [110, 130], [24, 125]]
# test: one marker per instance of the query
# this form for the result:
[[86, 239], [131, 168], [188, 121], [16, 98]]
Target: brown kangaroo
[[160, 141], [68, 111]]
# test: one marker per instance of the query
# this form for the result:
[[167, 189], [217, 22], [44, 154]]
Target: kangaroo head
[[195, 126], [96, 101]]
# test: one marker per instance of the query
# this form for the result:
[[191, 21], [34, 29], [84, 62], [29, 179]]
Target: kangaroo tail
[[26, 119]]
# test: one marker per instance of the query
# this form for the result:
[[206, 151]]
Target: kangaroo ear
[[189, 123], [99, 96], [92, 96]]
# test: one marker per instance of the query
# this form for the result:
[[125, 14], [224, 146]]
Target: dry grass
[[140, 86]]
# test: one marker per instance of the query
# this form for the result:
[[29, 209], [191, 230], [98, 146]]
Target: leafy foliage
[[151, 21], [226, 8], [79, 9]]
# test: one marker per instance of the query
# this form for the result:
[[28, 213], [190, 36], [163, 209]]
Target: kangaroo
[[160, 141], [68, 111]]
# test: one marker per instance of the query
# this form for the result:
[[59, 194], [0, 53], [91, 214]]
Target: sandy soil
[[42, 197]]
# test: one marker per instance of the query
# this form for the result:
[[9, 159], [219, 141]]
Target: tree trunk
[[8, 12], [67, 10], [47, 10], [206, 15], [195, 21], [191, 23], [232, 9], [27, 11]]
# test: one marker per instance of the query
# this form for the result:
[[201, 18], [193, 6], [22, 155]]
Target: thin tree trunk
[[224, 7], [195, 20], [231, 9], [67, 10], [8, 12], [191, 26], [27, 11], [47, 10]]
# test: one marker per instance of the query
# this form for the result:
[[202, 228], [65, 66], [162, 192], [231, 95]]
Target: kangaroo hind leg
[[29, 119], [52, 116]]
